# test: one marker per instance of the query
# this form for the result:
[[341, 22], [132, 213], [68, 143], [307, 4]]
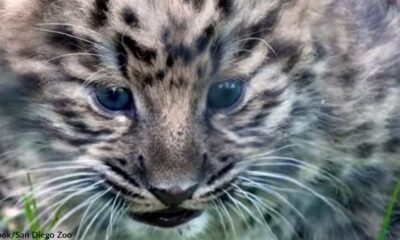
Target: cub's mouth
[[168, 218]]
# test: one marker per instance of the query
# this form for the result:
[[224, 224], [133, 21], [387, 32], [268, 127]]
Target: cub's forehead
[[187, 16], [144, 38]]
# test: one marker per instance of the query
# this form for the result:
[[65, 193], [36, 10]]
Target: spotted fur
[[311, 152]]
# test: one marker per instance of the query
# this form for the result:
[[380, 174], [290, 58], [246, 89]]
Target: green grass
[[390, 211], [30, 209], [31, 214]]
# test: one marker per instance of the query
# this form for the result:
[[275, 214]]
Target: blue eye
[[224, 94], [115, 99]]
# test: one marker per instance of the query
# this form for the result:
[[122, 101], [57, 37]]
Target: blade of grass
[[30, 214], [31, 209], [34, 204], [389, 211], [56, 218]]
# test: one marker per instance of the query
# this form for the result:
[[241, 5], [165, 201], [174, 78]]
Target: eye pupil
[[115, 99], [224, 94]]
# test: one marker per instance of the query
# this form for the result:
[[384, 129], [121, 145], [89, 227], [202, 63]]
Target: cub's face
[[162, 108]]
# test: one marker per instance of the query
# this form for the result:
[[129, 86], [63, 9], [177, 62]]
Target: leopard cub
[[201, 119]]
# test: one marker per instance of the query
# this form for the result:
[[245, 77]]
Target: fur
[[310, 152]]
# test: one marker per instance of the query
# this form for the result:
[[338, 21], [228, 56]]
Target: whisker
[[40, 185], [220, 216], [256, 205], [77, 208], [73, 55], [86, 213], [94, 218], [52, 166], [37, 193], [65, 34], [238, 210], [276, 194], [86, 29], [264, 203], [246, 209], [72, 25], [26, 172], [273, 185], [271, 152], [293, 163], [261, 40], [229, 218], [299, 184], [43, 212], [100, 222], [119, 215], [111, 222]]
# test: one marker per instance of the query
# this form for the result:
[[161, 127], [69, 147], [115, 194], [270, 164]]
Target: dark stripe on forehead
[[180, 52], [141, 53], [122, 56], [130, 17], [205, 38], [176, 82], [197, 4], [216, 52], [147, 80], [170, 61], [99, 13], [160, 75]]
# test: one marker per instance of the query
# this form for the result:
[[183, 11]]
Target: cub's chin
[[166, 225]]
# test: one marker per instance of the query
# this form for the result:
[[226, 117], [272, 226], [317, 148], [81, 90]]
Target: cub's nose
[[173, 196]]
